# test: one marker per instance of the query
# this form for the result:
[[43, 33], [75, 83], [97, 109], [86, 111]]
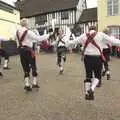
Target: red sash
[[20, 40], [90, 39]]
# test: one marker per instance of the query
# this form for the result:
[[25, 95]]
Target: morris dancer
[[25, 40], [61, 49], [93, 42], [106, 52], [3, 54]]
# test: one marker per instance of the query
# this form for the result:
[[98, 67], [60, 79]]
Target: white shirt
[[36, 32], [105, 46], [101, 40], [65, 38], [60, 43], [30, 37]]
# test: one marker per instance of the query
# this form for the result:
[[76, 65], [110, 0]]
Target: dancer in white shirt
[[93, 43], [25, 40]]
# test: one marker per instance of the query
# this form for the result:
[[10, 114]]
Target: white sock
[[5, 63], [27, 81], [94, 83], [38, 49], [108, 72], [34, 81], [87, 87], [103, 69], [61, 68], [63, 56]]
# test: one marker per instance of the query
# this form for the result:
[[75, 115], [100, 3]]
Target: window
[[64, 15], [53, 15], [6, 8], [40, 20], [115, 31], [113, 7]]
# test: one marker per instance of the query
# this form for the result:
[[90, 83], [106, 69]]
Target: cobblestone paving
[[60, 97]]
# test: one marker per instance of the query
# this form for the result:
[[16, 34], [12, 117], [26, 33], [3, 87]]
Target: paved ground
[[61, 97]]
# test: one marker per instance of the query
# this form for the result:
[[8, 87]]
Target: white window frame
[[111, 7], [115, 31]]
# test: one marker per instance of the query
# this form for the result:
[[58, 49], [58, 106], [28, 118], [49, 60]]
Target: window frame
[[64, 15], [112, 7], [6, 8], [115, 31]]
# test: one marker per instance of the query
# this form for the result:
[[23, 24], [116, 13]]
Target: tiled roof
[[36, 7], [88, 15]]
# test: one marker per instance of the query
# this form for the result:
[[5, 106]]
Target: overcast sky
[[90, 3]]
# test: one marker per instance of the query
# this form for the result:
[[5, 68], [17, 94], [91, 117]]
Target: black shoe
[[61, 72], [1, 75], [6, 68], [64, 59], [28, 88], [91, 95], [87, 97], [103, 73], [35, 86], [108, 76]]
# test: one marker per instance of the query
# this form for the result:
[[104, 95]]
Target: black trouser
[[93, 66], [4, 54], [28, 62], [106, 53], [61, 54]]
